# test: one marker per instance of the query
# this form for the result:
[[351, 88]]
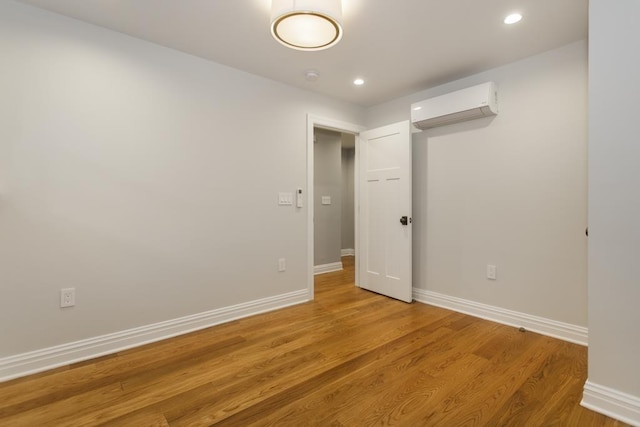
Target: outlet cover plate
[[491, 272], [67, 297]]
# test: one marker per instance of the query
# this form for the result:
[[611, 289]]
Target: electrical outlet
[[282, 264], [67, 297], [491, 272]]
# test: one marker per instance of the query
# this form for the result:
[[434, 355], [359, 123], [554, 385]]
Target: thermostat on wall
[[299, 197]]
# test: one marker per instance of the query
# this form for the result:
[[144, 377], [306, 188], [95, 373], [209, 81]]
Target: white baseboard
[[48, 358], [564, 331], [347, 252], [327, 268], [612, 403]]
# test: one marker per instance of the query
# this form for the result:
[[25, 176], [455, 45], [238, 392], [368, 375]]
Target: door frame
[[314, 121]]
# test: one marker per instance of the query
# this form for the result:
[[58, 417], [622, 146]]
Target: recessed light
[[417, 108], [358, 82], [513, 18]]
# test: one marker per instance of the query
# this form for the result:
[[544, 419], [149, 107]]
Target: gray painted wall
[[145, 178], [327, 151], [348, 219], [614, 198]]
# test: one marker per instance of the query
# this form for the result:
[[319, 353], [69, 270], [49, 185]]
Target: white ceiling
[[398, 47]]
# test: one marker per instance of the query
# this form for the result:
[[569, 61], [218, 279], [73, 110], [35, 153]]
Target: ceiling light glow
[[358, 82], [513, 18]]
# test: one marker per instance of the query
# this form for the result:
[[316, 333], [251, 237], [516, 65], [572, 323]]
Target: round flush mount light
[[358, 82], [307, 24], [513, 18]]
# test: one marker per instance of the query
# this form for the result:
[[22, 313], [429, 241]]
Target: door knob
[[404, 220]]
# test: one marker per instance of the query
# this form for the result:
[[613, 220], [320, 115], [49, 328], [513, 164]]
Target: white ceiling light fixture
[[307, 24], [358, 82], [513, 18]]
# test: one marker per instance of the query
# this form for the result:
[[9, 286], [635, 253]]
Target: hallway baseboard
[[327, 268]]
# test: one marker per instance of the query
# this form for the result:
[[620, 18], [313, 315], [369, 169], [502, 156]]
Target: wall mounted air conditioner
[[466, 104]]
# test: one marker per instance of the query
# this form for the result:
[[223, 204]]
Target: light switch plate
[[326, 200], [285, 199]]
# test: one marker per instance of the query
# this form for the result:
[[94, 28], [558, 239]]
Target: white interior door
[[385, 211]]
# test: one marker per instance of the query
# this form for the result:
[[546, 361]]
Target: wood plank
[[145, 417], [24, 395], [341, 380], [64, 412], [338, 350]]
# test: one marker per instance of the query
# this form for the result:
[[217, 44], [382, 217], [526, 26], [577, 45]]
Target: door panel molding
[[384, 199]]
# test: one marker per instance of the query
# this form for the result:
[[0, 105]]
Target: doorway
[[318, 123], [383, 220], [334, 199]]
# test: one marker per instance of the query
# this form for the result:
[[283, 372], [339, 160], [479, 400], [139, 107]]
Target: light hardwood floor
[[349, 358]]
